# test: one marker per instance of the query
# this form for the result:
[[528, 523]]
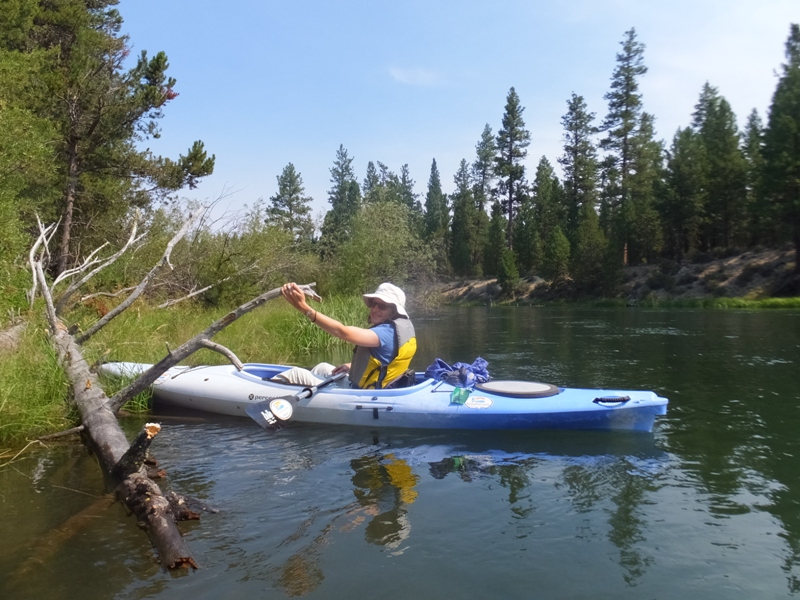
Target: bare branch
[[50, 310], [87, 262], [44, 240], [106, 262], [188, 348], [107, 294], [192, 295], [143, 284], [224, 351]]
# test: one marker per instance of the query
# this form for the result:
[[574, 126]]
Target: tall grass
[[273, 333], [32, 390]]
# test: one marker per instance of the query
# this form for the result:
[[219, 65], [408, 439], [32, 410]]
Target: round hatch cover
[[519, 389]]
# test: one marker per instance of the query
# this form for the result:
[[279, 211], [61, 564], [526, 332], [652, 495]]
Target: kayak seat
[[519, 389], [407, 379]]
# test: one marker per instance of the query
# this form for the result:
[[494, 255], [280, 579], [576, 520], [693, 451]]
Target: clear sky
[[268, 82]]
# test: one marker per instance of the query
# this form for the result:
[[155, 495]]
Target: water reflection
[[384, 487]]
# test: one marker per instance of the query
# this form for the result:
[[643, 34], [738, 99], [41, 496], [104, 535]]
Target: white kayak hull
[[427, 405]]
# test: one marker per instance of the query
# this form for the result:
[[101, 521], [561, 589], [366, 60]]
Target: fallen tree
[[123, 463]]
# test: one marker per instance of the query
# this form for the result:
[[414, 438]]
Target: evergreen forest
[[77, 112]]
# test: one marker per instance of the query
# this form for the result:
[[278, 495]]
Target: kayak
[[426, 404]]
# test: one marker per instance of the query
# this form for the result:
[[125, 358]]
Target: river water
[[707, 506]]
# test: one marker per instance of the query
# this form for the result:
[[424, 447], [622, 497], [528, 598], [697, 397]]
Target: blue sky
[[266, 83]]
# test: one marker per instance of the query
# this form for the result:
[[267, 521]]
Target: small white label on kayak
[[478, 402], [281, 408]]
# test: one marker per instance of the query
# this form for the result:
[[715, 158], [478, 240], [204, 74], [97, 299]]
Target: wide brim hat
[[390, 294]]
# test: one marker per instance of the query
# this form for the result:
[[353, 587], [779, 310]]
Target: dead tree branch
[[188, 348], [143, 284], [76, 285]]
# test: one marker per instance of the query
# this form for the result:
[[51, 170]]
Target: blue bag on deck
[[460, 374]]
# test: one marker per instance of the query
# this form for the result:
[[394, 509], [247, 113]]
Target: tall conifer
[[782, 144], [579, 162], [512, 142], [290, 209]]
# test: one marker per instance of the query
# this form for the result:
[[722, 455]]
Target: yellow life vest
[[367, 372]]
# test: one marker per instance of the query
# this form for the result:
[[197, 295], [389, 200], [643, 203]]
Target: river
[[707, 506]]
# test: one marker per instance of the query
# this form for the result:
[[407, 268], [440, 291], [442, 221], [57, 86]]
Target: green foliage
[[508, 275], [483, 172], [495, 241], [345, 199], [555, 262], [240, 261], [96, 113], [724, 182], [32, 389], [579, 162], [464, 237], [436, 209], [781, 144], [624, 107], [590, 251], [512, 142], [683, 197], [289, 209], [383, 247]]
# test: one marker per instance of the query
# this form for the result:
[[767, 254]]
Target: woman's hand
[[295, 296], [345, 368]]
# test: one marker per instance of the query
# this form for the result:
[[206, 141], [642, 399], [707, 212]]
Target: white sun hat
[[390, 294]]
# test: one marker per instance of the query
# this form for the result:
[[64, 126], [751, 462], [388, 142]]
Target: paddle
[[272, 414]]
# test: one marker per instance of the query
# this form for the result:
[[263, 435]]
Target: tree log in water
[[123, 464]]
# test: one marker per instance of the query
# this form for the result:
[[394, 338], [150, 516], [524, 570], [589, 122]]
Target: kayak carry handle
[[611, 400]]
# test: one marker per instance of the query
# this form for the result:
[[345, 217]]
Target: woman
[[382, 353]]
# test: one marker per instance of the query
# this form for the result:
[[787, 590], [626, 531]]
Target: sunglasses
[[378, 304]]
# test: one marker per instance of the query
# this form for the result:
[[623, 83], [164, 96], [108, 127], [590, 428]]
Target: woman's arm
[[354, 335]]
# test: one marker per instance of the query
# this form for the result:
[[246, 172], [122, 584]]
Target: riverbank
[[758, 278]]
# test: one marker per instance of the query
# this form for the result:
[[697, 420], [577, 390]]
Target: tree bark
[[102, 435], [105, 438], [69, 206]]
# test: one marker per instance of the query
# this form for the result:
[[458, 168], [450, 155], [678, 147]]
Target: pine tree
[[590, 251], [644, 226], [345, 199], [371, 184], [436, 210], [482, 181], [548, 200], [512, 142], [624, 110], [782, 144], [579, 162], [682, 203], [725, 208], [525, 228], [289, 208], [555, 262], [406, 191], [483, 174], [621, 125], [101, 111], [761, 225], [462, 233], [495, 241]]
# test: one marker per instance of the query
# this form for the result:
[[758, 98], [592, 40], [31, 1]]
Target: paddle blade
[[271, 414]]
